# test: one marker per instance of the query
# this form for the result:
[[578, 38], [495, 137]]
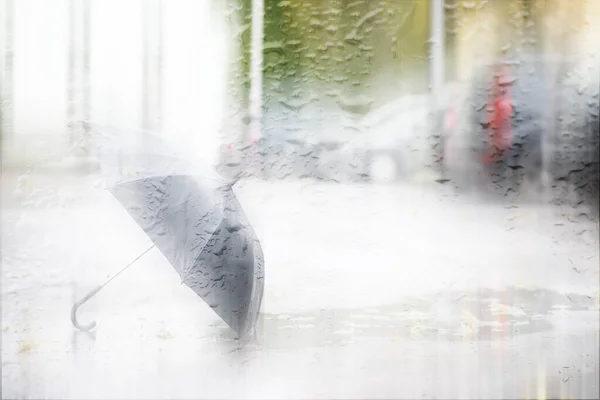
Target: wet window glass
[[300, 198]]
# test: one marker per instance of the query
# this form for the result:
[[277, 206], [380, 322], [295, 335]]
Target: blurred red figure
[[500, 121]]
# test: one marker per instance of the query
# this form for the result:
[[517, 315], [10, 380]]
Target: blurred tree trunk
[[79, 102], [152, 24]]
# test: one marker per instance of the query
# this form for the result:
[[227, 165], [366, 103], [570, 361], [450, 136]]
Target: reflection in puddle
[[453, 316]]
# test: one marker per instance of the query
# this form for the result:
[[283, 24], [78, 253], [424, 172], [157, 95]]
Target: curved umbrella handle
[[91, 294], [76, 306]]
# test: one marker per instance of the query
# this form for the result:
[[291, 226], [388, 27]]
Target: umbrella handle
[[91, 294], [76, 306]]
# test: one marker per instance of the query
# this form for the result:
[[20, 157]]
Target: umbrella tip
[[235, 180]]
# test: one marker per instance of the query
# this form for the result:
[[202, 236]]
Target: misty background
[[397, 265]]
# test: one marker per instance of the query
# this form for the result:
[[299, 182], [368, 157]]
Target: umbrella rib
[[91, 294]]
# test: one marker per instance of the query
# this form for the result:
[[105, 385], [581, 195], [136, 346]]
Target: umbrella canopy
[[196, 221], [205, 235]]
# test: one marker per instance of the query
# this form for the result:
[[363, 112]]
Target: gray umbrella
[[198, 224]]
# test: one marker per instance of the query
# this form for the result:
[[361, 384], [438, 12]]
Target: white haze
[[196, 48]]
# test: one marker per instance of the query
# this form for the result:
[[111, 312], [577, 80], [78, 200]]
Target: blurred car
[[342, 145], [403, 134], [297, 145], [387, 143]]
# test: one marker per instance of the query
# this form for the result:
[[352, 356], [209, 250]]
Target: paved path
[[371, 291]]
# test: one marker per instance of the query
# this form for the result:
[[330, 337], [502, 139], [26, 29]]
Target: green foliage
[[337, 45]]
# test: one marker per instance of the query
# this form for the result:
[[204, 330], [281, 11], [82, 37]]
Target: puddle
[[484, 315]]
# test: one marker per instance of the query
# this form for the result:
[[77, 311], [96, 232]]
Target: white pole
[[79, 75], [437, 56], [256, 69], [436, 67], [152, 26]]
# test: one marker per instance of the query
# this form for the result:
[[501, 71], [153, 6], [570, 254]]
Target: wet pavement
[[371, 291]]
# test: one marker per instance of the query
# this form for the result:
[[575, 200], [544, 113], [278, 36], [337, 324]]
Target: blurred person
[[514, 127], [499, 123]]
